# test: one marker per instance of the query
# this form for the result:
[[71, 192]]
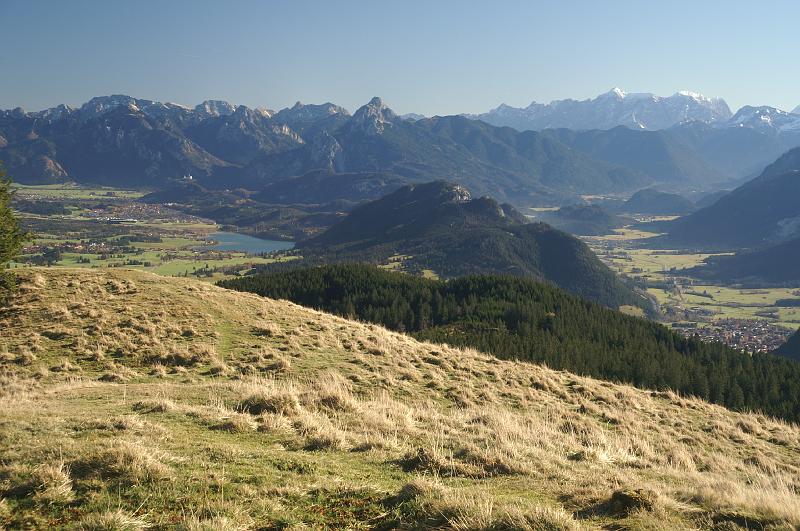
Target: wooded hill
[[761, 212], [791, 349], [439, 227]]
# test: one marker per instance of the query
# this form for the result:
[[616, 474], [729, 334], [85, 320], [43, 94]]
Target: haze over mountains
[[683, 138], [760, 220], [124, 141], [637, 111], [128, 142], [654, 202], [763, 211], [615, 107]]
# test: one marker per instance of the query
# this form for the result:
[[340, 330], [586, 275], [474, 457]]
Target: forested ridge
[[437, 226], [517, 318]]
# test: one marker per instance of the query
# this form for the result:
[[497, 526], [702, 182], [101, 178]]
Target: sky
[[429, 57]]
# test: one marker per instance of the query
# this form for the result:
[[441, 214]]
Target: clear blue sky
[[432, 57]]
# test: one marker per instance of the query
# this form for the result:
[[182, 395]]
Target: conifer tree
[[12, 237]]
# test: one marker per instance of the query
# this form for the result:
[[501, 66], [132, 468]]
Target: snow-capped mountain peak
[[215, 108], [637, 110], [617, 92], [765, 118], [307, 113], [694, 95]]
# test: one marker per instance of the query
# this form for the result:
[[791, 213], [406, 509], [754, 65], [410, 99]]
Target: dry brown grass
[[477, 442], [125, 461], [115, 520]]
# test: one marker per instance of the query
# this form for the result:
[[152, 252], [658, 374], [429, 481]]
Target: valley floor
[[109, 228], [131, 400], [756, 320]]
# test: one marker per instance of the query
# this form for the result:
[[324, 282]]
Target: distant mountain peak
[[412, 116], [307, 112], [694, 95], [215, 108], [374, 116], [265, 112], [101, 104], [765, 118], [616, 92]]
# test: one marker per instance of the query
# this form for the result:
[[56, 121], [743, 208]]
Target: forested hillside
[[438, 227], [584, 220], [516, 318], [774, 265], [762, 211], [791, 349]]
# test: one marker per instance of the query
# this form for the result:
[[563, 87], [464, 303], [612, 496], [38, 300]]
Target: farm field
[[107, 228], [687, 301], [72, 191]]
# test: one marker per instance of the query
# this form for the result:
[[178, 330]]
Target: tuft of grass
[[271, 397], [155, 406], [116, 520], [53, 484], [235, 424], [124, 461], [215, 523]]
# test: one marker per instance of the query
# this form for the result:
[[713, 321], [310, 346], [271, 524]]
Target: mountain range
[[129, 142], [643, 111], [685, 139], [124, 141]]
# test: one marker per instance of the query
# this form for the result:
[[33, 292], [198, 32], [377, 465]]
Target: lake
[[233, 241]]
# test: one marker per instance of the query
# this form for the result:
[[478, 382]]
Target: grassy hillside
[[516, 318], [132, 400]]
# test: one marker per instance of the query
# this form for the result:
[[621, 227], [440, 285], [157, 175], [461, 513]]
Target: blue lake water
[[232, 241]]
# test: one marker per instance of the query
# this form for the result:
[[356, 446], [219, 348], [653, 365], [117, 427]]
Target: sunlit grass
[[132, 400]]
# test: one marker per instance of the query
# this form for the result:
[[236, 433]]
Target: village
[[747, 335]]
